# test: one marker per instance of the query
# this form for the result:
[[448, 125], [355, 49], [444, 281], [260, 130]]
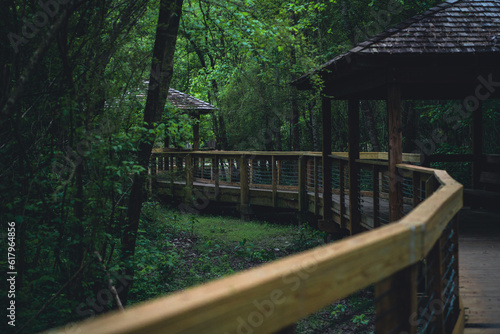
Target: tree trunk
[[159, 82]]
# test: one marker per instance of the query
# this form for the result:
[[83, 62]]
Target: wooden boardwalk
[[257, 194], [479, 256]]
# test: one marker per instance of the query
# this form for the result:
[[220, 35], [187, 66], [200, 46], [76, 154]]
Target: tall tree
[[159, 83]]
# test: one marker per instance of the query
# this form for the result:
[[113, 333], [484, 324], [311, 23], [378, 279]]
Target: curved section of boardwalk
[[480, 270]]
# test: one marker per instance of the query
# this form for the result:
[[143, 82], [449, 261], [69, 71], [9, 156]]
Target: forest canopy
[[79, 117]]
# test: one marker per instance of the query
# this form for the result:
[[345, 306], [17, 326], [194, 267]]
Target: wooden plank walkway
[[479, 260], [367, 212]]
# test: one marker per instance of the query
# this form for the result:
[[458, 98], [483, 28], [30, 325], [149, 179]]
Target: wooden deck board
[[479, 260], [366, 201]]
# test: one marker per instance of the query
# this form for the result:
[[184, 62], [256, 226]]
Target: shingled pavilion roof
[[451, 27], [185, 101], [457, 35]]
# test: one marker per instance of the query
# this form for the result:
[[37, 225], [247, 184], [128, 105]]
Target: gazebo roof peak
[[185, 101]]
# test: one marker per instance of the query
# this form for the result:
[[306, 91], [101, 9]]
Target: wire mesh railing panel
[[202, 169], [229, 170], [384, 198], [449, 279], [320, 176], [365, 181], [178, 168], [311, 174], [335, 176], [288, 173], [438, 306], [260, 172], [407, 191]]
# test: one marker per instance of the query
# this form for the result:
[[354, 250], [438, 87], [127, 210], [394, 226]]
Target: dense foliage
[[73, 95]]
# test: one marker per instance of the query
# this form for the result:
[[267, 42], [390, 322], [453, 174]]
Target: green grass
[[226, 229], [176, 251]]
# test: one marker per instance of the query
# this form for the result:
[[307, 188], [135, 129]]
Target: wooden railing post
[[275, 181], [251, 174], [395, 152], [244, 189], [316, 187], [327, 223], [215, 166], [302, 191], [189, 179], [354, 187], [172, 173], [396, 302]]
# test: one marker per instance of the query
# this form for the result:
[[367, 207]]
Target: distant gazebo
[[194, 107], [450, 52]]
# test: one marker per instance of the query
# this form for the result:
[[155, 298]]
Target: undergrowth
[[176, 251]]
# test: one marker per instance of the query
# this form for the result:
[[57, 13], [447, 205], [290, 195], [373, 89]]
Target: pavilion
[[450, 52], [194, 107]]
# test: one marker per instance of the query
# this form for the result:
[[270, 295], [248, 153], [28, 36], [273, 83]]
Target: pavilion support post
[[477, 144], [196, 132], [395, 151], [327, 223], [354, 195]]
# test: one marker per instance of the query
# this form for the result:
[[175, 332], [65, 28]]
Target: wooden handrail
[[407, 157], [277, 294]]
